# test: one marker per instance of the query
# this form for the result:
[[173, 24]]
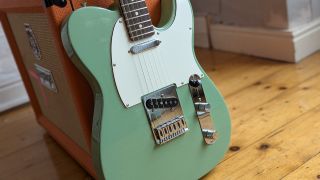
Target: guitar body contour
[[123, 146]]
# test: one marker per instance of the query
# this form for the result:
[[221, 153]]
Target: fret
[[146, 21], [139, 13], [141, 36], [145, 16], [134, 6], [142, 31], [132, 3], [136, 10], [142, 28], [140, 25], [136, 22], [137, 19]]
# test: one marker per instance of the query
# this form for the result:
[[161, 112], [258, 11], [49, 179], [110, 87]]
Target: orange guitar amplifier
[[60, 96]]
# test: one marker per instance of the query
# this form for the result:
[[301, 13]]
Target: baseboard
[[12, 94], [285, 45], [201, 31]]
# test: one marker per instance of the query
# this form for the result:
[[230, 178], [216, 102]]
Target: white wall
[[315, 6], [206, 6], [286, 30], [8, 70], [278, 14], [12, 92]]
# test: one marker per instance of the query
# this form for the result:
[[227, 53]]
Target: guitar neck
[[137, 18]]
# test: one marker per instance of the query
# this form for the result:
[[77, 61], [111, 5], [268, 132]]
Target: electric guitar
[[157, 114]]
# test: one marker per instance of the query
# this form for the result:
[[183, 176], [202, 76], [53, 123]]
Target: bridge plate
[[165, 114]]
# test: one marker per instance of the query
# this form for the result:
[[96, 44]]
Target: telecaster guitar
[[157, 114]]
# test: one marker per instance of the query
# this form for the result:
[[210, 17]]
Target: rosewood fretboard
[[137, 19]]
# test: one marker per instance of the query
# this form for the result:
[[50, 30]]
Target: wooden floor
[[275, 110]]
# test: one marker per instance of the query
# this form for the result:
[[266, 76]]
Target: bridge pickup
[[162, 103], [136, 49]]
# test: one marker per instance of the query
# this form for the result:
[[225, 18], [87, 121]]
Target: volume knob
[[195, 81]]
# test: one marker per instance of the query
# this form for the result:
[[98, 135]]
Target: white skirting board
[[285, 45], [201, 31], [12, 95]]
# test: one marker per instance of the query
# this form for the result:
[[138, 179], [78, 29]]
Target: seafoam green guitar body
[[123, 145]]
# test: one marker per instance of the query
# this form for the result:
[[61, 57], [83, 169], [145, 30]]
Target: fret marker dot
[[140, 25], [136, 13]]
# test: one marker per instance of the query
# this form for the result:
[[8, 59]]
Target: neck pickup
[[137, 18]]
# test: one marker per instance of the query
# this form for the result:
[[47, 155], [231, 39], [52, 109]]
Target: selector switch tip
[[195, 81]]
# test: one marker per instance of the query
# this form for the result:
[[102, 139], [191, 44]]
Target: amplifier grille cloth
[[58, 107]]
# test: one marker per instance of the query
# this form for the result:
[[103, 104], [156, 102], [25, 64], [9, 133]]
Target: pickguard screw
[[158, 33], [182, 83], [114, 65], [127, 105], [190, 28], [120, 21]]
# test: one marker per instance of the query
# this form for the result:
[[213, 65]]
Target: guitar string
[[147, 60], [155, 68], [150, 83], [155, 75], [151, 62], [158, 65], [160, 73], [164, 67], [155, 78], [155, 64], [147, 86], [140, 71]]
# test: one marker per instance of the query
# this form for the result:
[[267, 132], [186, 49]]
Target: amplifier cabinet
[[59, 94]]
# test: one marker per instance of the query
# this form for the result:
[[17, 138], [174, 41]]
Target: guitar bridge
[[165, 115]]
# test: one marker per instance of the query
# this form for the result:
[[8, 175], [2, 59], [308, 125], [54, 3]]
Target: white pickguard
[[171, 62]]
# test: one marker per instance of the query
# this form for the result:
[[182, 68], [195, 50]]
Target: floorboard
[[274, 108]]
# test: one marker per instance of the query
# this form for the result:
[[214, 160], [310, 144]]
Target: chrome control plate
[[202, 108], [165, 114]]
